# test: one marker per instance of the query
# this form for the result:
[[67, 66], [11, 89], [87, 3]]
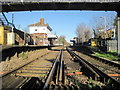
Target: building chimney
[[42, 21]]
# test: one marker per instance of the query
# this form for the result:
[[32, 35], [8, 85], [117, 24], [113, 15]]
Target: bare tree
[[62, 40], [80, 32], [87, 35], [83, 33], [100, 24], [110, 21]]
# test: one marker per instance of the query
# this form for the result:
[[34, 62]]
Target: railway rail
[[39, 68], [100, 59], [55, 75], [57, 70], [95, 72], [108, 67]]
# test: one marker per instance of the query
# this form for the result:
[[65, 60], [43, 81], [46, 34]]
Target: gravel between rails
[[75, 67], [40, 67], [15, 62], [104, 67], [68, 61]]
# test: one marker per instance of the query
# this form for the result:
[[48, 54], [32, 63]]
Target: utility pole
[[12, 21], [25, 37], [104, 26], [13, 35]]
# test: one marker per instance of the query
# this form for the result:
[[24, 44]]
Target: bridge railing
[[12, 1]]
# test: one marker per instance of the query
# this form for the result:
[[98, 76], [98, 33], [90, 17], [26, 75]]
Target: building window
[[35, 29]]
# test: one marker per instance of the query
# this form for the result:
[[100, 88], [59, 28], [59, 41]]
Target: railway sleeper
[[88, 71], [102, 60], [33, 83], [102, 76]]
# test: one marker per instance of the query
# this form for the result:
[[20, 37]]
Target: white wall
[[39, 29]]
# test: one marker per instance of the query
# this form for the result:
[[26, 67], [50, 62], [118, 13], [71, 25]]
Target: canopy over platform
[[51, 36]]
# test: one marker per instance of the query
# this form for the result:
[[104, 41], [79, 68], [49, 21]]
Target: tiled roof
[[41, 23]]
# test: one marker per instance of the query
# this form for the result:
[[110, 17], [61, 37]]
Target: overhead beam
[[30, 6], [101, 1]]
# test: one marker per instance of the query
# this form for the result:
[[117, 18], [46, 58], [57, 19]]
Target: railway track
[[96, 73], [57, 70], [75, 75], [97, 58], [38, 68], [80, 75], [110, 68], [54, 77]]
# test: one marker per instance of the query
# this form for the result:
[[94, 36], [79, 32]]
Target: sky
[[61, 22]]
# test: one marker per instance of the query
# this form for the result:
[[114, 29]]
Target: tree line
[[98, 29]]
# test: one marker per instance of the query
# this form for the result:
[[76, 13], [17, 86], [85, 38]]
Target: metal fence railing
[[4, 21]]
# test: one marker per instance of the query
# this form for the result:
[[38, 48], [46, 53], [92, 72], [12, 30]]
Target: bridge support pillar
[[118, 22]]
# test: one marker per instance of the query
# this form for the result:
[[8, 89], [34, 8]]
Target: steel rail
[[52, 71], [103, 60], [96, 75], [104, 77], [61, 68], [57, 75], [7, 73], [60, 71]]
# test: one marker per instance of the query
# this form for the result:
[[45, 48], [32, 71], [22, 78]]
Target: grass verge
[[108, 56]]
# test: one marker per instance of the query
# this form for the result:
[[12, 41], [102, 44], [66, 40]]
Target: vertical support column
[[2, 36], [118, 22], [0, 51]]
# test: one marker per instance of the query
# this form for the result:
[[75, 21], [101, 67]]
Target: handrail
[[19, 1], [8, 23], [5, 18]]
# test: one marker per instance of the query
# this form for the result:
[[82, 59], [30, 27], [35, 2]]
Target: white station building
[[42, 30]]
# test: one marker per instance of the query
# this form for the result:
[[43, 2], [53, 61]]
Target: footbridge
[[30, 5]]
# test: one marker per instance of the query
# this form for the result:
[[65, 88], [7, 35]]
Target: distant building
[[41, 33], [110, 33]]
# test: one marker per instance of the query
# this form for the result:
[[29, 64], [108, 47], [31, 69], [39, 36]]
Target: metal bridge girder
[[29, 5]]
